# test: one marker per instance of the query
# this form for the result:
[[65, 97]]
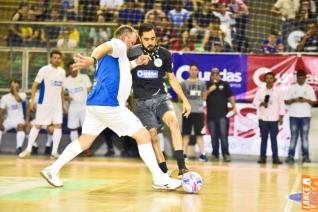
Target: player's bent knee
[[142, 136], [86, 141]]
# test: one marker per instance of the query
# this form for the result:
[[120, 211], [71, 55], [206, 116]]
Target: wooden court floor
[[99, 184]]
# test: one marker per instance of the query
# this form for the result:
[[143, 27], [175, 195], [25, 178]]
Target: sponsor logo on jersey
[[14, 107], [56, 83], [147, 74]]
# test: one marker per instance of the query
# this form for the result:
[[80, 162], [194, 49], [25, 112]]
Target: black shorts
[[151, 111], [195, 120]]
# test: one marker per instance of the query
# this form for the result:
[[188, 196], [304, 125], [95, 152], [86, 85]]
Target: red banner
[[284, 68]]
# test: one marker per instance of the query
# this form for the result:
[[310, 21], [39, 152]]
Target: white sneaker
[[24, 154], [167, 183], [52, 178]]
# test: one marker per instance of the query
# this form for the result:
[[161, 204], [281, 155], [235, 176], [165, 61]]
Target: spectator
[[51, 33], [184, 43], [88, 10], [166, 33], [178, 16], [99, 34], [227, 22], [15, 37], [307, 10], [12, 103], [112, 8], [218, 95], [309, 42], [300, 98], [32, 34], [194, 90], [272, 44], [156, 11], [213, 40], [69, 38], [270, 104], [131, 13], [241, 15], [287, 9], [201, 19]]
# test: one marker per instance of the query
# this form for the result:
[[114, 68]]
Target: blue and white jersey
[[51, 81], [112, 81]]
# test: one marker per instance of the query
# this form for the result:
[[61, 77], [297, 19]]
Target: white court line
[[289, 204]]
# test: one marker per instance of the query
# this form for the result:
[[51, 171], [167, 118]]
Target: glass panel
[[36, 61], [10, 68]]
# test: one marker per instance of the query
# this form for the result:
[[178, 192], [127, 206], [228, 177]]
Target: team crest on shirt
[[158, 62], [221, 87]]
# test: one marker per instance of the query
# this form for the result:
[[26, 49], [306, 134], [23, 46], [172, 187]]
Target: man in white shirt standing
[[12, 103], [77, 86], [50, 104], [300, 98]]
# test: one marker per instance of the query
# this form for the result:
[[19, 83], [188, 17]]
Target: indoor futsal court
[[99, 184]]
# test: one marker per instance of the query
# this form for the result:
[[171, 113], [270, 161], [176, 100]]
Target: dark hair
[[301, 73], [23, 4], [145, 27], [193, 64], [123, 30], [56, 52], [269, 73], [71, 62], [14, 80]]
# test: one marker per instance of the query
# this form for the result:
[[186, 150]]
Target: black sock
[[180, 159], [163, 167]]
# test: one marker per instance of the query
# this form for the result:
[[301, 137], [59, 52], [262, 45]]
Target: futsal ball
[[192, 182]]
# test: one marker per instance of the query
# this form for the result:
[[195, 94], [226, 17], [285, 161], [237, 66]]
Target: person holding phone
[[271, 109], [300, 98]]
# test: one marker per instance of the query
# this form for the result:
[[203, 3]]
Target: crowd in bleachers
[[182, 25]]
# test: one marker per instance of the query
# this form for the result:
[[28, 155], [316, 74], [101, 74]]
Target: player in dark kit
[[150, 98]]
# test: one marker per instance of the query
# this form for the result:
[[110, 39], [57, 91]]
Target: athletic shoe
[[306, 160], [290, 160], [52, 178], [182, 172], [54, 156], [19, 150], [35, 150], [48, 150], [227, 158], [203, 158], [109, 153], [167, 183], [185, 157], [24, 154]]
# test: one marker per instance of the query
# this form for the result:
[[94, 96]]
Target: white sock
[[32, 136], [48, 140], [57, 134], [73, 135], [148, 156], [20, 138], [70, 152], [162, 141]]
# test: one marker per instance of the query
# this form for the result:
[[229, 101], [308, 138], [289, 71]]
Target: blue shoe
[[203, 158]]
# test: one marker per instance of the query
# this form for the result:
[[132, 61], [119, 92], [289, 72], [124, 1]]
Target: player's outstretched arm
[[186, 107], [99, 52]]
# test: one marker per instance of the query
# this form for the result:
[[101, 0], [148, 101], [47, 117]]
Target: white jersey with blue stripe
[[51, 82], [112, 82]]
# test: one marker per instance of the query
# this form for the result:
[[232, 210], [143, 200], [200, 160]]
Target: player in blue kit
[[105, 107]]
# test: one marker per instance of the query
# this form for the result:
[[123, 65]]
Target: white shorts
[[75, 118], [10, 123], [42, 126], [119, 119], [46, 115]]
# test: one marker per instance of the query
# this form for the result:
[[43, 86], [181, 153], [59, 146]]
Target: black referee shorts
[[195, 120]]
